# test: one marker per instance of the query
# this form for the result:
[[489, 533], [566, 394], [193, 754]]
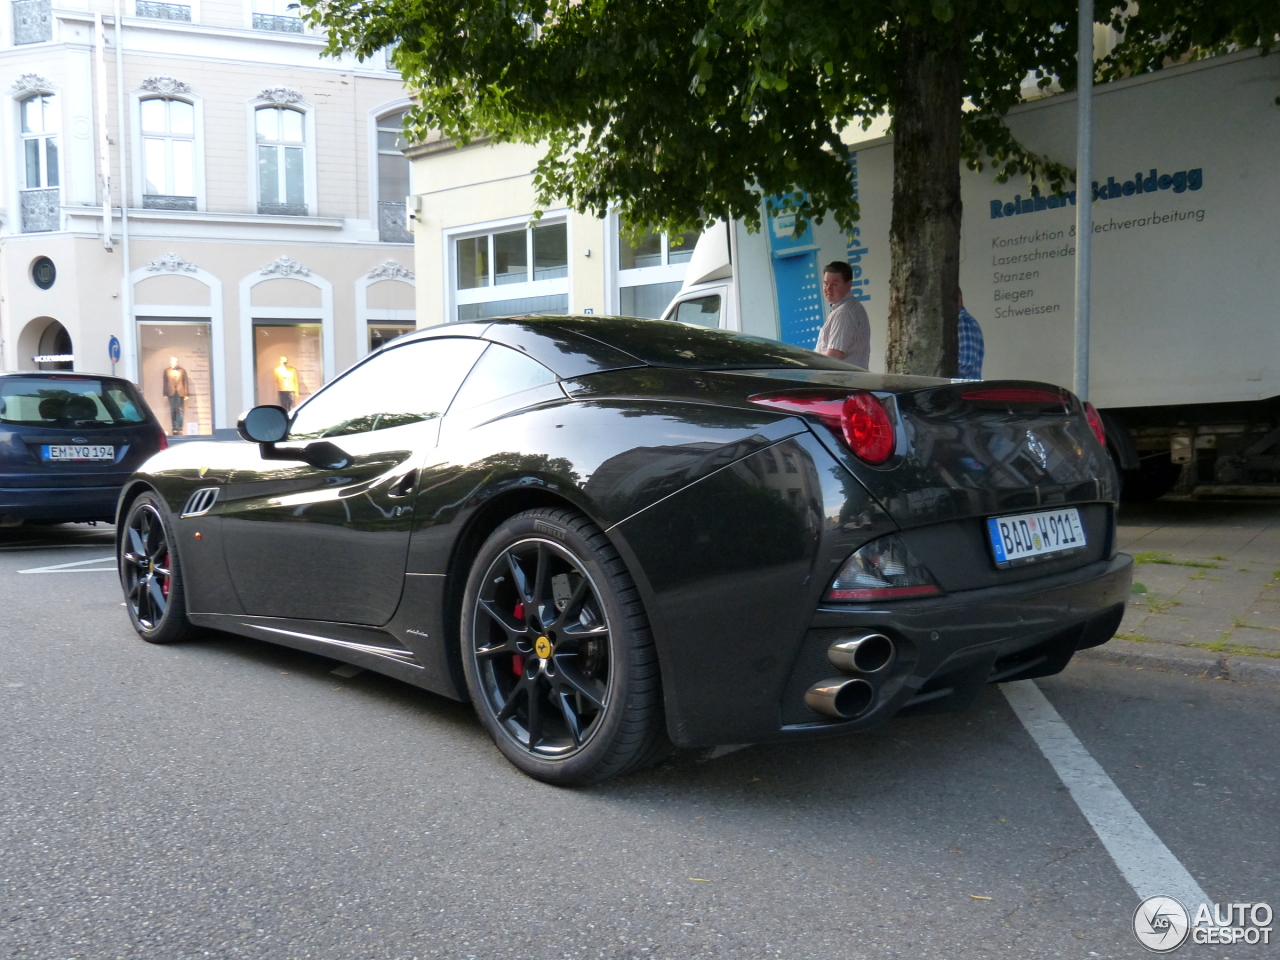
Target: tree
[[677, 112]]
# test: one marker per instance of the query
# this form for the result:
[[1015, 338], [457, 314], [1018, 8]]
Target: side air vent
[[200, 502]]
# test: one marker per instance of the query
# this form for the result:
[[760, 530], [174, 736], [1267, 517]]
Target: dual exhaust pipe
[[846, 698]]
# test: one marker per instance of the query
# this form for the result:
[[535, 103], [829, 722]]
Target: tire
[[150, 573], [1155, 476], [558, 656]]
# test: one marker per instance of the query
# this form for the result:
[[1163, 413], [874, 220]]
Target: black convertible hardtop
[[578, 345]]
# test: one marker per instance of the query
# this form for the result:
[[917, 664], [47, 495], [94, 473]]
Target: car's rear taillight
[[164, 440], [857, 418], [882, 570], [1095, 423]]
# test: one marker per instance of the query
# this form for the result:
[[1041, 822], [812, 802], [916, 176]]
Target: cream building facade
[[479, 254], [263, 242]]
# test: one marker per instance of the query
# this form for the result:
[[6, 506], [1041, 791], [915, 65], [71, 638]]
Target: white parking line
[[66, 567], [1144, 861]]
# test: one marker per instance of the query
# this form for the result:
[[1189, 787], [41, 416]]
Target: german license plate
[[1035, 536], [79, 451]]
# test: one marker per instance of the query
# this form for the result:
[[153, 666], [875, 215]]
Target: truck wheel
[[1154, 477]]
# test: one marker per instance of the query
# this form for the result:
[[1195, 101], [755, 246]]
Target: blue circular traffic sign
[[113, 349]]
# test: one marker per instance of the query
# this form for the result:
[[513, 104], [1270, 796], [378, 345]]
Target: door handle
[[403, 486]]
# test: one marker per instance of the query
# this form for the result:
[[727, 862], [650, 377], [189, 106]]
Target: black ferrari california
[[613, 534]]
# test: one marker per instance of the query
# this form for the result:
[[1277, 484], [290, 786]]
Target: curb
[[1187, 660]]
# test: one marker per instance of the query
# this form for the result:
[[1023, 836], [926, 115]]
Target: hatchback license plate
[[1035, 536], [79, 451]]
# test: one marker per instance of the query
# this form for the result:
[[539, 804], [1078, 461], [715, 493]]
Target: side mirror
[[265, 424]]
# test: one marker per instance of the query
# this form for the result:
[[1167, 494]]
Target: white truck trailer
[[1185, 334]]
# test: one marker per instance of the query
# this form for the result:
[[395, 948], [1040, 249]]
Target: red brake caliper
[[517, 660], [164, 581]]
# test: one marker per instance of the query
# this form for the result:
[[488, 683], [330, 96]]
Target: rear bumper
[[60, 503], [949, 648]]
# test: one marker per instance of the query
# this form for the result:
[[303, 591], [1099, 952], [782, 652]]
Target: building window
[[393, 180], [650, 272], [32, 21], [278, 15], [155, 10], [168, 154], [382, 332], [175, 356], [288, 361], [40, 141], [531, 263], [281, 161], [41, 198]]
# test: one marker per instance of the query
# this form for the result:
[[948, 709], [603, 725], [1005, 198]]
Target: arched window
[[393, 179], [282, 187], [40, 141], [168, 153]]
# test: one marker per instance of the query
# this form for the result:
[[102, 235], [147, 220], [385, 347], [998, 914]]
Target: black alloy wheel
[[557, 652], [149, 574]]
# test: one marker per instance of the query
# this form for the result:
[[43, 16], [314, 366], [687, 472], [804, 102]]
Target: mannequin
[[286, 384], [177, 388]]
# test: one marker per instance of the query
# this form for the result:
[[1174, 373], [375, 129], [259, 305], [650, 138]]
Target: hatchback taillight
[[857, 418], [164, 439]]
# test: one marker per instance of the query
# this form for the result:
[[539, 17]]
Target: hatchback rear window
[[69, 402]]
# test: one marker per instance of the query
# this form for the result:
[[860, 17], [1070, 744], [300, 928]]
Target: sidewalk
[[1206, 589]]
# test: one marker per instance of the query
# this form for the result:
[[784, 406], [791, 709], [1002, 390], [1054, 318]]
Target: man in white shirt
[[847, 333]]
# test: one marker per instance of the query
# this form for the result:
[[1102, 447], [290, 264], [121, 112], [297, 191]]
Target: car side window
[[404, 385], [501, 372]]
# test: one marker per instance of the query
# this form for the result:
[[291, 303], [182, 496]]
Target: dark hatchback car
[[68, 443], [608, 532]]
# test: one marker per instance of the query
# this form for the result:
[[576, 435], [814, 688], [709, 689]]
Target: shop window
[[532, 263], [168, 153], [650, 271], [393, 180], [281, 135], [381, 333], [175, 359], [288, 362]]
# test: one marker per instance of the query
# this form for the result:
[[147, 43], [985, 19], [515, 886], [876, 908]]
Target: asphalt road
[[230, 799]]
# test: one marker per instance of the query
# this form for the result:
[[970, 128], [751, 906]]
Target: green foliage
[[1160, 32], [687, 110]]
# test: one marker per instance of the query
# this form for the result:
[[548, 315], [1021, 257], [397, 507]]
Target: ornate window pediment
[[167, 86], [284, 267], [280, 95], [28, 84], [390, 271], [171, 263]]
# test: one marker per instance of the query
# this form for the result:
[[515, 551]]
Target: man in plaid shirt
[[971, 345]]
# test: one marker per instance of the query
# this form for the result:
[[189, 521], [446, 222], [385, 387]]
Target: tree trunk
[[924, 239]]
